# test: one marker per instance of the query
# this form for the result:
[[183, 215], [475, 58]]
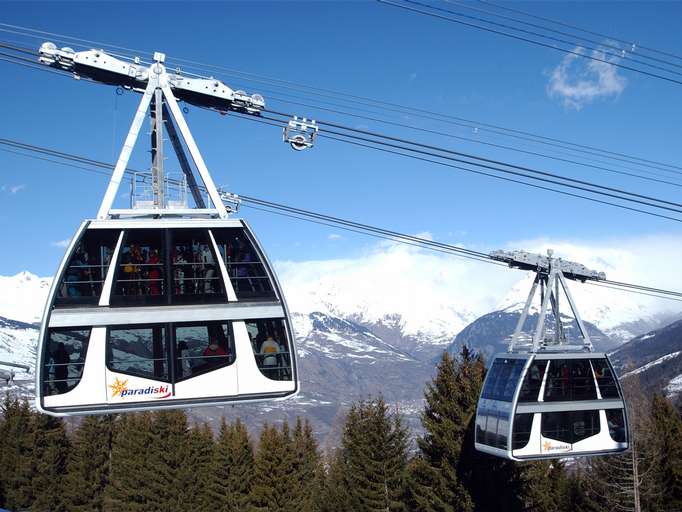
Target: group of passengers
[[194, 270], [141, 271], [243, 267], [84, 275]]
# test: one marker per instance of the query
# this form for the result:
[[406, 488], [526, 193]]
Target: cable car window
[[530, 390], [569, 379], [490, 436], [195, 275], [585, 424], [521, 430], [244, 264], [202, 347], [271, 348], [503, 377], [140, 272], [481, 418], [140, 351], [85, 273], [557, 426], [570, 427], [502, 430], [66, 349], [615, 419], [605, 380]]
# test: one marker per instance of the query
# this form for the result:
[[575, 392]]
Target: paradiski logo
[[120, 388]]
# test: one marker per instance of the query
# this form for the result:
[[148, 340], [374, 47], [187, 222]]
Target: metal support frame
[[158, 89], [549, 279]]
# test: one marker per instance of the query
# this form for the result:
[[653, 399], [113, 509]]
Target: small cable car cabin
[[162, 305], [551, 404], [548, 399]]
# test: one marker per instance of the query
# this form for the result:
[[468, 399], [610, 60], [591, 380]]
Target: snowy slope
[[23, 296]]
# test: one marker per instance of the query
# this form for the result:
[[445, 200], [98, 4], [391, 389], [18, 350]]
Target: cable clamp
[[301, 133]]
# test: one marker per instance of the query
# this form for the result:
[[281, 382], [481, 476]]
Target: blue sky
[[362, 48]]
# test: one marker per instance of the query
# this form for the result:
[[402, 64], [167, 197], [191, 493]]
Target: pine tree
[[132, 472], [232, 469], [667, 434], [435, 482], [89, 464], [334, 495], [50, 448], [274, 488], [168, 456], [16, 454], [374, 457], [195, 473], [307, 466]]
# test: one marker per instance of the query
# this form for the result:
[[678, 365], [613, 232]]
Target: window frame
[[168, 357], [231, 344], [47, 354], [60, 301]]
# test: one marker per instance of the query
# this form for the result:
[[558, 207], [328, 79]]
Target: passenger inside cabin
[[214, 353]]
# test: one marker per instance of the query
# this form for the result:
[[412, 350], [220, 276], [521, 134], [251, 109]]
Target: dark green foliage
[[232, 469], [334, 495], [195, 472], [374, 457], [89, 464], [274, 488], [50, 450], [16, 452], [131, 472], [667, 435], [436, 475], [307, 470]]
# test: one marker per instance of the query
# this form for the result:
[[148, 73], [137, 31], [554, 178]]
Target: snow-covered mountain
[[655, 358], [374, 324]]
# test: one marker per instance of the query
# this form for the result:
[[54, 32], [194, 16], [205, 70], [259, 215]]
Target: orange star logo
[[118, 387], [546, 446]]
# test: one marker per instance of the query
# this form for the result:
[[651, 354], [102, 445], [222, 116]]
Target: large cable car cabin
[[547, 399], [161, 305]]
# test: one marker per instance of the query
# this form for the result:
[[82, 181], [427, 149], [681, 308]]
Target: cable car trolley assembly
[[546, 398], [166, 303]]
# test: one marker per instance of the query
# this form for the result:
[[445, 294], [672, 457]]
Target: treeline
[[159, 462]]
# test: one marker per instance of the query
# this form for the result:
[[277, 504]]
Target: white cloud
[[61, 243], [334, 236], [440, 294], [13, 189], [578, 81]]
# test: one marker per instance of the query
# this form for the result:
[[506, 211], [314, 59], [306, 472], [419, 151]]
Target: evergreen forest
[[160, 462]]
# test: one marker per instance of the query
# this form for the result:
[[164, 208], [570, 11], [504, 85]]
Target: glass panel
[[570, 427], [557, 426], [271, 348], [557, 387], [140, 351], [481, 418], [584, 424], [532, 383], [244, 265], [202, 347], [87, 268], [65, 356], [140, 269], [569, 379], [616, 422], [195, 274], [521, 430], [503, 377], [490, 437], [605, 380], [502, 430]]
